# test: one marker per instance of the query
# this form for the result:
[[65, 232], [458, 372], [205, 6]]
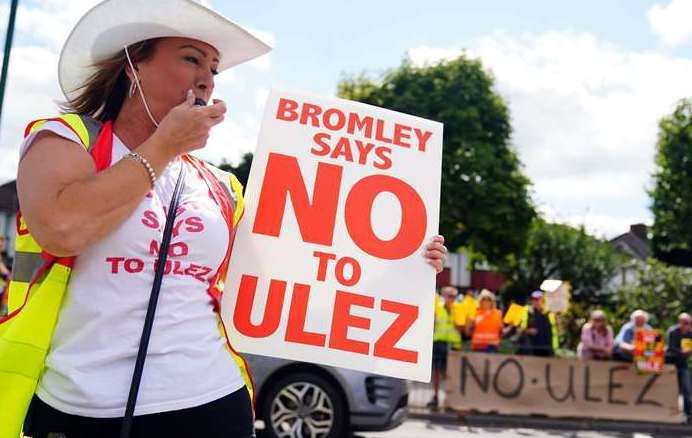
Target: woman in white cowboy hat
[[132, 72]]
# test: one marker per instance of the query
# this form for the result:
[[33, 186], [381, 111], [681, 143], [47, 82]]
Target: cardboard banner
[[328, 262], [527, 385]]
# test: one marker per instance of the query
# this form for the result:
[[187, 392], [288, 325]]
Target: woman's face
[[177, 65], [598, 322], [486, 304]]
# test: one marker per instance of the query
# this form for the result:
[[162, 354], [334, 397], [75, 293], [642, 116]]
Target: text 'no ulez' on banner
[[328, 262]]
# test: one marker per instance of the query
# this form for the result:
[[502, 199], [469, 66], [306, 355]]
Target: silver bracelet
[[140, 159]]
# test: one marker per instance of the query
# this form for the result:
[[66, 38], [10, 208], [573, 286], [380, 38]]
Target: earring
[[132, 89]]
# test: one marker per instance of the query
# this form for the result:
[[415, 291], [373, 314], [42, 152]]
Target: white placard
[[328, 264]]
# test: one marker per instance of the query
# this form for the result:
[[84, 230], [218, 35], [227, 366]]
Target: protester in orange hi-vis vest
[[485, 328], [114, 210]]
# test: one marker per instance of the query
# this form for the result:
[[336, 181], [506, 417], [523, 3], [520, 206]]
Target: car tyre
[[304, 405]]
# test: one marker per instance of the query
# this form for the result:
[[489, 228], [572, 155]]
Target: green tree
[[484, 202], [566, 253], [662, 290], [672, 192], [242, 170]]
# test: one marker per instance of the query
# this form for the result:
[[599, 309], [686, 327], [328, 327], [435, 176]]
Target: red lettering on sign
[[310, 112], [343, 148], [334, 123], [386, 344], [320, 140], [287, 110], [359, 210], [342, 319], [379, 132], [282, 178], [423, 137], [245, 303], [402, 133], [364, 149], [355, 271], [295, 328], [385, 160], [384, 155], [324, 259], [356, 123]]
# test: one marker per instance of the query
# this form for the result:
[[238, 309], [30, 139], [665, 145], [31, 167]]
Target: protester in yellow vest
[[94, 185], [539, 328], [447, 335], [467, 307]]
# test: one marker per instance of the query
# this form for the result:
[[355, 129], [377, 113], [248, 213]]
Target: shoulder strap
[[151, 309]]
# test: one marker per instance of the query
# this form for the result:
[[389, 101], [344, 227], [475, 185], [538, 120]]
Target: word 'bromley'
[[334, 119]]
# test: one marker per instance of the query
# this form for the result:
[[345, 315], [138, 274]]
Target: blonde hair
[[450, 289], [102, 95]]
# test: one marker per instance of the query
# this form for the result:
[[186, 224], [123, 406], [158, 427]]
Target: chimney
[[640, 230]]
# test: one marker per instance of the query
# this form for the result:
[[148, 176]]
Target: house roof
[[634, 244], [8, 197]]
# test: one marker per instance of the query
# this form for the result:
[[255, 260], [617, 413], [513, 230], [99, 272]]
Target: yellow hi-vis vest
[[445, 330], [555, 338], [39, 282]]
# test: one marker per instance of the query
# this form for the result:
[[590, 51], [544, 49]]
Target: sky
[[586, 82]]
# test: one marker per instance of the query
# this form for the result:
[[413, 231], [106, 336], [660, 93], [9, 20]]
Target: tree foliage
[[242, 170], [672, 193], [484, 203], [566, 253], [662, 290]]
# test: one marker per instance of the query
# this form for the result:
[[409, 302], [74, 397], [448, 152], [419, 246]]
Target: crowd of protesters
[[476, 318]]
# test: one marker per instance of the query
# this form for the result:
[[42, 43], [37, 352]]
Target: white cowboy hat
[[113, 24]]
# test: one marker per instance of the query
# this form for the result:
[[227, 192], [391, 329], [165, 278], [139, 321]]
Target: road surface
[[425, 429]]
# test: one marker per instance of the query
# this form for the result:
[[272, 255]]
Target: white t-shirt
[[90, 364]]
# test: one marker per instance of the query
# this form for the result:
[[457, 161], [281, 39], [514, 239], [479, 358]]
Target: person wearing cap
[[94, 184], [678, 352], [485, 328], [447, 335], [596, 338], [539, 328], [623, 346]]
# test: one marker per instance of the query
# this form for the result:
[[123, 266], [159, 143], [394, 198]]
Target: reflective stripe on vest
[[445, 330], [36, 291], [38, 285]]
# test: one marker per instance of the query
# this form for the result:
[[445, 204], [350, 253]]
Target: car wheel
[[304, 405]]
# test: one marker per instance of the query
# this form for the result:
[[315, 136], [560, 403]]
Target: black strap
[[151, 310]]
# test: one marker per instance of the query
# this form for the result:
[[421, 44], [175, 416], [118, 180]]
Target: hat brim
[[113, 24]]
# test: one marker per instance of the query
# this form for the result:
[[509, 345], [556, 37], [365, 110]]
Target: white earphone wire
[[139, 88]]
